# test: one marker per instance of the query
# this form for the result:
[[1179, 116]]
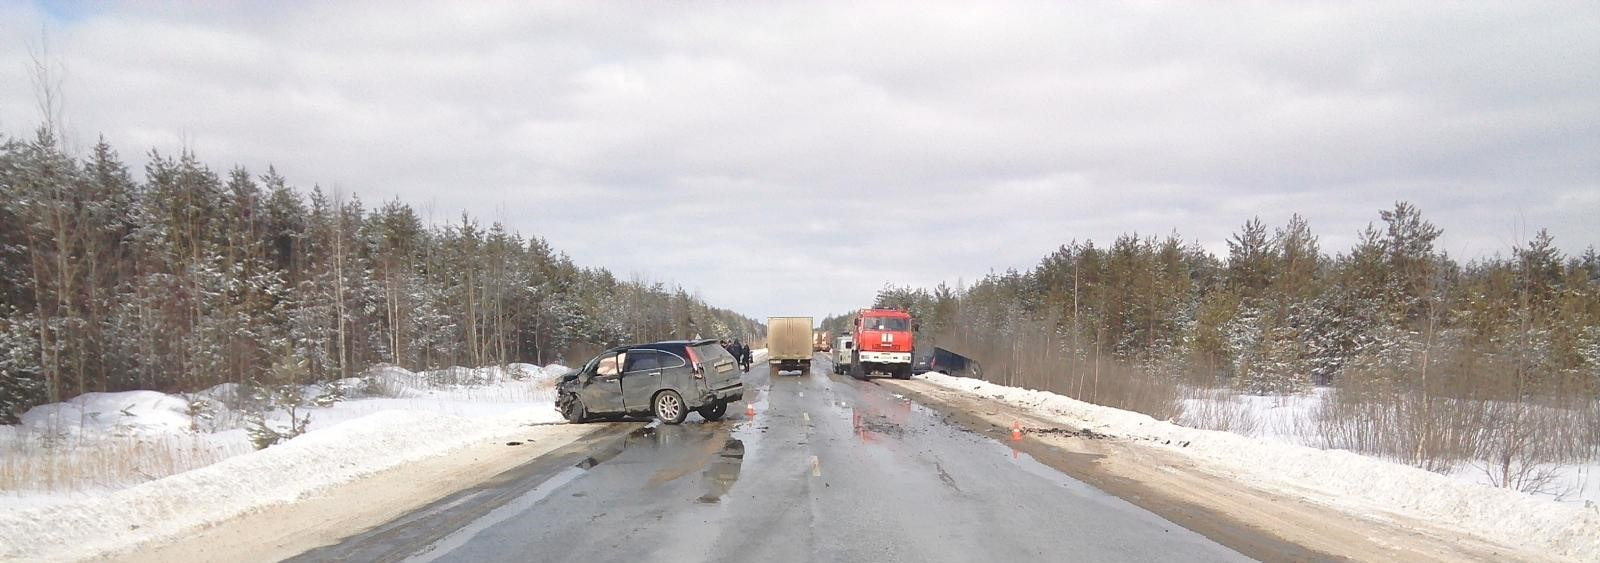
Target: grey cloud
[[830, 148]]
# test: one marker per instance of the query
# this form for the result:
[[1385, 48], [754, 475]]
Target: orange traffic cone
[[749, 409], [1016, 431]]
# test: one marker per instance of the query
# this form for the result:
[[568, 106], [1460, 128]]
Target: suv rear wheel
[[669, 407], [713, 411]]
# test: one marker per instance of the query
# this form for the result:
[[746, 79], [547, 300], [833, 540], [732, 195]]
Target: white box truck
[[789, 341]]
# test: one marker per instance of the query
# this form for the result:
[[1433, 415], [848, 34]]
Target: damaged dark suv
[[664, 379]]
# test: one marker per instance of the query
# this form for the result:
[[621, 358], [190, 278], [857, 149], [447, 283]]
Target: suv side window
[[670, 360], [611, 364], [642, 360]]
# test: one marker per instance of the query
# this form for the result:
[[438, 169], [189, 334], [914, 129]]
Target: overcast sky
[[793, 158]]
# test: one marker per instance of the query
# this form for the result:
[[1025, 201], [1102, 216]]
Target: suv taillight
[[699, 372]]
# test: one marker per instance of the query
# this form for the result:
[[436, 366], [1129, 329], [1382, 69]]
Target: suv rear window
[[709, 353]]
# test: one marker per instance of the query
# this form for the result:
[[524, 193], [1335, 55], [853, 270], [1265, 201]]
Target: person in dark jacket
[[741, 354]]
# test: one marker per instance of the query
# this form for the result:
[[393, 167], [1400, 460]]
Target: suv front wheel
[[669, 407], [573, 410]]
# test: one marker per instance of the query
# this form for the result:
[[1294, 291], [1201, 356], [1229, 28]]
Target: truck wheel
[[669, 407], [857, 370], [805, 368], [903, 373], [713, 411], [775, 369]]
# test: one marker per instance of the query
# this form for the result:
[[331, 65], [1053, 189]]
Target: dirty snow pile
[[106, 471], [1337, 478]]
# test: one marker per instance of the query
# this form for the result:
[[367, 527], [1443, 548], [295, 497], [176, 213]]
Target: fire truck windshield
[[885, 323]]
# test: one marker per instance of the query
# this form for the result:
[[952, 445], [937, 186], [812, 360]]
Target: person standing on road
[[741, 354]]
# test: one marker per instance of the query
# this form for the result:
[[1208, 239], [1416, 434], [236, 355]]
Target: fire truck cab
[[883, 344]]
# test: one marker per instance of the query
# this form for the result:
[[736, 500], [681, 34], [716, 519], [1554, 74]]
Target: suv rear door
[[721, 371]]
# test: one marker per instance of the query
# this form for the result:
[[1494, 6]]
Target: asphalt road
[[829, 469]]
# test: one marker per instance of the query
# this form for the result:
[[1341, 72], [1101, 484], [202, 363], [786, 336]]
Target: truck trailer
[[824, 343], [789, 341]]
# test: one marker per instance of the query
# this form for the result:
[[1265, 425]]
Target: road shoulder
[[1260, 524], [286, 530]]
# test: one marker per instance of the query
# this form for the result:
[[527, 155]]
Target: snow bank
[[1291, 419], [99, 443], [92, 527], [1337, 478], [491, 375], [155, 414], [128, 413]]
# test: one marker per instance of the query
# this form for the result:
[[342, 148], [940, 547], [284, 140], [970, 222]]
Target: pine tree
[[190, 279], [21, 383], [1250, 260]]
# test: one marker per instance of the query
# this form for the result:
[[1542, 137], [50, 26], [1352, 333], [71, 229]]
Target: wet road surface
[[829, 469]]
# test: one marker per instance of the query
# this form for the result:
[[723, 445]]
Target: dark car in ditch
[[665, 379], [948, 363]]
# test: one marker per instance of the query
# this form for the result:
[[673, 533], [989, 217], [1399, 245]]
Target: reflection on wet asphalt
[[724, 471], [610, 449], [827, 470]]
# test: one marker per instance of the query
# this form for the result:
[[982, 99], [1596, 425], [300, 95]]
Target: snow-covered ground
[[99, 443], [1287, 419], [1341, 479], [106, 471]]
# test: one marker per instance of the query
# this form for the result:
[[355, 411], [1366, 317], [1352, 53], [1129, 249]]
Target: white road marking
[[806, 416], [802, 394], [816, 467]]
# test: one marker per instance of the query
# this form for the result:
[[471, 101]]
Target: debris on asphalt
[[1068, 432]]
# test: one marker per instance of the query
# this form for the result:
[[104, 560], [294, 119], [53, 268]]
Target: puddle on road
[[692, 448], [722, 466], [876, 417], [615, 447], [716, 451], [724, 471]]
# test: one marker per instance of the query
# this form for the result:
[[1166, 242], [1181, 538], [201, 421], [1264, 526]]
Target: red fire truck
[[883, 344]]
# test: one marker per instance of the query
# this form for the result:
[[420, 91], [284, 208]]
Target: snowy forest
[[191, 278], [1432, 361]]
